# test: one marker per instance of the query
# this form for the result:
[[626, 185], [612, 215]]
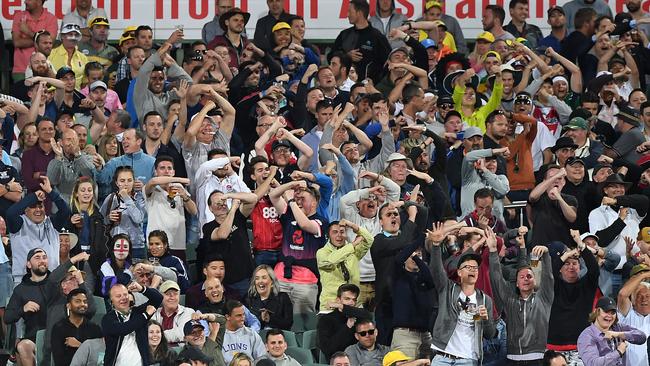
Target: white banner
[[324, 18]]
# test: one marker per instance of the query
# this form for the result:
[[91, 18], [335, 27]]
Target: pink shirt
[[112, 99], [46, 21]]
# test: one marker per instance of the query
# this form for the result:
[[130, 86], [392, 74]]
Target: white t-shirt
[[461, 344], [129, 354], [163, 217], [637, 354]]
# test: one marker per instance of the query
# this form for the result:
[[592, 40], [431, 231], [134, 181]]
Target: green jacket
[[477, 119], [329, 260]]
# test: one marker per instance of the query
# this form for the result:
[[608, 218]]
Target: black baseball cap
[[64, 71], [555, 8], [280, 143], [468, 257], [191, 353], [606, 303]]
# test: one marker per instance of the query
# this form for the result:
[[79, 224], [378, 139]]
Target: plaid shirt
[[123, 69]]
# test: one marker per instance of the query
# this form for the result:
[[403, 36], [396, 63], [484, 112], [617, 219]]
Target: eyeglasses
[[446, 106], [364, 333], [470, 268], [282, 150]]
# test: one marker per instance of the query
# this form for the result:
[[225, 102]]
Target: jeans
[[494, 350], [303, 296], [440, 360], [415, 344], [268, 257]]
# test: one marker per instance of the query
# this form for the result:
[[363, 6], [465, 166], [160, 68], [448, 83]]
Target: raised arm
[[305, 151], [195, 125]]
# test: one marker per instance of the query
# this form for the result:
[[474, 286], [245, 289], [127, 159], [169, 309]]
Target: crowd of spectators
[[398, 197]]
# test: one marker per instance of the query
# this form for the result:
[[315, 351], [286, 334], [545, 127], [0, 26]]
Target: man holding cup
[[464, 311], [166, 201], [526, 329]]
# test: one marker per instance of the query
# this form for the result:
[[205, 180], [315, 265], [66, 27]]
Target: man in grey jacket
[[69, 164], [528, 312], [387, 18], [149, 93], [464, 311]]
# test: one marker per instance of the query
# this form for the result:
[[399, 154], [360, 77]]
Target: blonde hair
[[594, 315], [74, 202], [240, 357]]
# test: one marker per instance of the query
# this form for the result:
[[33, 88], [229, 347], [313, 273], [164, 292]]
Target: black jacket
[[371, 43], [98, 239], [333, 332], [115, 328], [39, 292], [279, 306], [63, 354]]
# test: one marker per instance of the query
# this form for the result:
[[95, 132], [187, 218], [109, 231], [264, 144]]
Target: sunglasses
[[523, 100], [70, 27], [99, 20], [128, 34], [364, 333]]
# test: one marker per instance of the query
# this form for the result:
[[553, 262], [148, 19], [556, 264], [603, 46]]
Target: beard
[[633, 7], [38, 272]]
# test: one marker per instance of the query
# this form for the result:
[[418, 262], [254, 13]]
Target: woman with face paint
[[124, 210], [117, 268]]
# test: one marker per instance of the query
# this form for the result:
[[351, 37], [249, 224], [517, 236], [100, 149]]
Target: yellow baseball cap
[[486, 36], [98, 21], [124, 39], [129, 29], [432, 4], [492, 53], [280, 25], [395, 356]]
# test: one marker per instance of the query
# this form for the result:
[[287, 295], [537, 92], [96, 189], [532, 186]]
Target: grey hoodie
[[395, 20], [449, 309], [526, 319]]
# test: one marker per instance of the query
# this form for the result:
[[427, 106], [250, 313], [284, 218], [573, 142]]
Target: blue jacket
[[141, 163], [115, 328], [173, 262]]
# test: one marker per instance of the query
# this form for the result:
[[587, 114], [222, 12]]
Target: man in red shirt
[[267, 229], [26, 23]]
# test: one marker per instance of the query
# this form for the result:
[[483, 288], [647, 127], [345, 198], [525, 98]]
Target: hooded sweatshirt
[[244, 340], [395, 20]]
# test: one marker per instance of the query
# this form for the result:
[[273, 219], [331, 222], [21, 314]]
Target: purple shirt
[[596, 350], [35, 160]]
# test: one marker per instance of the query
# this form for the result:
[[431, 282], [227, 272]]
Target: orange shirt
[[46, 21], [520, 148]]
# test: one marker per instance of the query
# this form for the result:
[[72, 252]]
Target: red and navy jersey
[[299, 243], [267, 229]]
